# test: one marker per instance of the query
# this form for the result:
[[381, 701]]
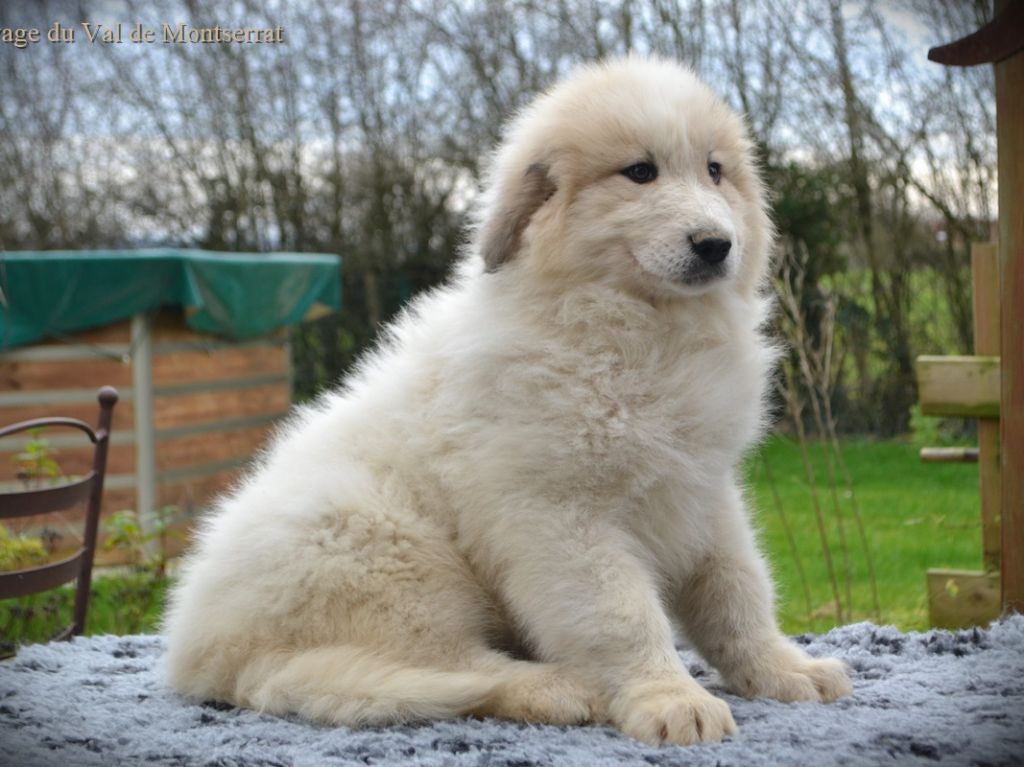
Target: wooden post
[[1010, 134], [145, 440], [985, 279], [970, 386]]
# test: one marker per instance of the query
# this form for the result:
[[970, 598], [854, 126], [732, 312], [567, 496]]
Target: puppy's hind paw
[[798, 678], [544, 697], [830, 678]]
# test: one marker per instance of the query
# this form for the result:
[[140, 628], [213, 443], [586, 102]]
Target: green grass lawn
[[915, 516]]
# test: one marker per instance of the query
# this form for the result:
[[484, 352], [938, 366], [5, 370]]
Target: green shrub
[[931, 431], [19, 551]]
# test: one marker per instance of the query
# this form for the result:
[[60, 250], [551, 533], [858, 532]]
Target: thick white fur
[[533, 478]]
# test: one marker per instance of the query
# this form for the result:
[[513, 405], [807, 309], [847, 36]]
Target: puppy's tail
[[352, 686]]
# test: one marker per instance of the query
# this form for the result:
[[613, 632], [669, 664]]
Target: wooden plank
[[985, 281], [1010, 138], [84, 411], [202, 407], [55, 374], [194, 495], [958, 386], [210, 447], [962, 598], [225, 385], [241, 362], [949, 454], [118, 498], [224, 424]]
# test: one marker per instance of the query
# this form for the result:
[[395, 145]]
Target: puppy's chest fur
[[625, 406], [682, 406]]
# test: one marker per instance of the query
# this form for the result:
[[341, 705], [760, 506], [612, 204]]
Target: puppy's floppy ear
[[502, 231]]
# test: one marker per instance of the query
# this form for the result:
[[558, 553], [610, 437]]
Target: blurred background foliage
[[364, 132]]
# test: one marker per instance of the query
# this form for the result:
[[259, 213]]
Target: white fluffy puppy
[[509, 505]]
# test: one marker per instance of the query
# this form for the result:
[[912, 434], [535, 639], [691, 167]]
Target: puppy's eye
[[715, 171], [641, 173]]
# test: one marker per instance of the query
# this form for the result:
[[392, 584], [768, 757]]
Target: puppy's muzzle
[[709, 249], [706, 260]]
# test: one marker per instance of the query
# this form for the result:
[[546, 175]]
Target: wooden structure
[[1001, 43], [969, 387], [1010, 135], [196, 409]]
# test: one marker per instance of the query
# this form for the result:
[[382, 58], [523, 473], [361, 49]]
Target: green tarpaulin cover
[[235, 295]]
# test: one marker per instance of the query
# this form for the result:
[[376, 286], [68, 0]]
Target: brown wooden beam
[[985, 281], [1010, 135]]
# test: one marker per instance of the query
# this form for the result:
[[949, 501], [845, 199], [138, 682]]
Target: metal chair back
[[26, 503]]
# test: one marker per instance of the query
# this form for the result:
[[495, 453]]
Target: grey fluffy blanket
[[934, 698]]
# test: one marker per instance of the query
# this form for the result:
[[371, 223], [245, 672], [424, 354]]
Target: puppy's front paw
[[792, 676], [683, 714]]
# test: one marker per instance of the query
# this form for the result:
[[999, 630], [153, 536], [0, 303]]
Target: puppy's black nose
[[711, 250]]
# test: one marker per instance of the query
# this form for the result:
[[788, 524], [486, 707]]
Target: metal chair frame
[[26, 503]]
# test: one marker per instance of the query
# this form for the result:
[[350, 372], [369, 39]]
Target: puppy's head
[[634, 174]]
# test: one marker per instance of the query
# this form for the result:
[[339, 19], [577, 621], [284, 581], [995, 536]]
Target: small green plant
[[36, 464], [134, 599], [137, 595], [35, 467], [127, 532]]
